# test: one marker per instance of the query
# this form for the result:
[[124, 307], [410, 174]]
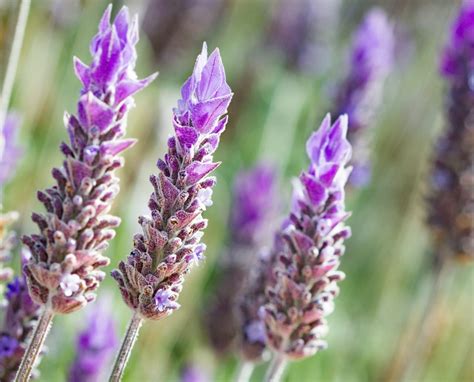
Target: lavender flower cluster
[[451, 201], [359, 95], [272, 298], [151, 279], [63, 271], [253, 208], [20, 316]]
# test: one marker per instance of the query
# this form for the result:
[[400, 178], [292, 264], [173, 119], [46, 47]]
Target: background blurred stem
[[127, 344], [244, 371], [35, 345], [276, 368], [12, 65], [409, 355]]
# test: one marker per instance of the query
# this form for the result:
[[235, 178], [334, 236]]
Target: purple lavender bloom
[[302, 285], [169, 244], [95, 346], [359, 95], [194, 374], [301, 30], [21, 314], [75, 230], [11, 152], [451, 201], [253, 207]]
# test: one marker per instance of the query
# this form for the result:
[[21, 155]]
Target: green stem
[[244, 371], [125, 350], [276, 368], [35, 345]]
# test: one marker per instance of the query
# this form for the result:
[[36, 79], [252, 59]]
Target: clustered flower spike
[[303, 282], [11, 152], [359, 95], [94, 346], [151, 278], [20, 316], [253, 207], [451, 200], [74, 231], [301, 30]]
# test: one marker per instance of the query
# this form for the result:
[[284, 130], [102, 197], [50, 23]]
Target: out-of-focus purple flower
[[458, 55], [302, 283], [76, 228], [451, 200], [254, 206], [254, 198], [169, 244], [359, 95], [192, 373], [95, 345], [301, 30], [11, 152], [173, 27], [21, 314]]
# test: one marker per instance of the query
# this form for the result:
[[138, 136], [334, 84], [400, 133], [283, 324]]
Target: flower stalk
[[35, 345], [123, 355], [276, 368], [12, 65]]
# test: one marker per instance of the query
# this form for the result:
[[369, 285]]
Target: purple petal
[[197, 170], [93, 112]]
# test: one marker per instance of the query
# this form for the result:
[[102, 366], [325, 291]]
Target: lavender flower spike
[[95, 345], [21, 314], [63, 271], [151, 278], [451, 201], [359, 95], [301, 291], [11, 152], [250, 224]]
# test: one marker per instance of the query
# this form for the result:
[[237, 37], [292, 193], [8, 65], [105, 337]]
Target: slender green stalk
[[244, 371], [12, 65], [276, 368], [127, 344], [35, 345]]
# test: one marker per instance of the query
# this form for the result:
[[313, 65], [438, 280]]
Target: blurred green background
[[275, 108]]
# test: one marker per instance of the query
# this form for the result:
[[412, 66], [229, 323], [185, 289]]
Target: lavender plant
[[360, 93], [63, 272], [95, 345], [302, 30], [302, 282], [151, 278], [250, 224], [451, 200], [20, 315]]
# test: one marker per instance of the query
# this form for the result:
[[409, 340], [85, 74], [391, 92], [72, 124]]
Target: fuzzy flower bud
[[301, 288], [451, 199], [94, 346], [21, 314], [151, 278], [253, 207], [74, 231], [359, 95]]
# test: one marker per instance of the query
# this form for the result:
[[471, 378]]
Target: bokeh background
[[279, 100]]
